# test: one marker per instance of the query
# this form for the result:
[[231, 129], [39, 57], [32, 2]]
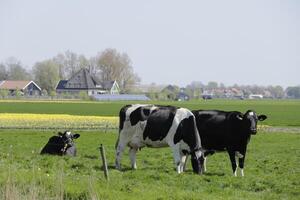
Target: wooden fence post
[[105, 168]]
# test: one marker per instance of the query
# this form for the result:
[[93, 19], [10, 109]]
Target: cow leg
[[132, 155], [178, 159], [204, 164], [185, 162], [233, 162], [119, 151], [241, 162]]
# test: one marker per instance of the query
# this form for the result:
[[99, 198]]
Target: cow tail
[[117, 143], [122, 117]]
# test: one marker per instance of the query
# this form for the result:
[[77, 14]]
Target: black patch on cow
[[54, 146], [159, 123], [122, 116], [140, 114], [187, 132]]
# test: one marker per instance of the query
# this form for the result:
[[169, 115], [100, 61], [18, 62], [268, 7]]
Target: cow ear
[[75, 136], [262, 117], [60, 133], [239, 116]]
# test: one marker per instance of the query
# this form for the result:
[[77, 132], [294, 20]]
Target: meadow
[[281, 112], [271, 166]]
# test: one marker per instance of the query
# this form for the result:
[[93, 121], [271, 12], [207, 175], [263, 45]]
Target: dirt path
[[281, 129]]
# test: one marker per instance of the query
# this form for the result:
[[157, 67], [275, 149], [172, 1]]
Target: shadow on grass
[[213, 174]]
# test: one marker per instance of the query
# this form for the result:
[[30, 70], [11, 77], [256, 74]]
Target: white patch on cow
[[68, 133], [238, 155], [242, 172], [251, 113], [235, 172]]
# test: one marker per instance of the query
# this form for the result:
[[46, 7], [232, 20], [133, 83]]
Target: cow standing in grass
[[61, 144], [227, 131], [159, 126]]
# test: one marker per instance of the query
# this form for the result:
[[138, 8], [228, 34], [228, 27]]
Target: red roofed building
[[28, 88]]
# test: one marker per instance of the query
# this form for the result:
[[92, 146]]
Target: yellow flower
[[56, 121]]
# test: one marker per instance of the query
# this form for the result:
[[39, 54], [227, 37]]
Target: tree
[[293, 92], [69, 63], [116, 66], [277, 91], [15, 70], [212, 85], [3, 72], [195, 89], [46, 74], [4, 93]]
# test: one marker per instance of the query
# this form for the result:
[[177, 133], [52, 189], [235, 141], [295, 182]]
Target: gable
[[21, 85], [32, 86]]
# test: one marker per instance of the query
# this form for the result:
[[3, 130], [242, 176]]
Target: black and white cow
[[227, 131], [159, 126], [63, 144]]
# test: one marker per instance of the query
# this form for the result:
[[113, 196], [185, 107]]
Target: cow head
[[197, 159], [250, 119], [68, 139]]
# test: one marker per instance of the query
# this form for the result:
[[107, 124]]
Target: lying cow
[[62, 144], [159, 126], [227, 131]]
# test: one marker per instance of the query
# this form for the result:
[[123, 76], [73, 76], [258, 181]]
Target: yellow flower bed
[[62, 121], [56, 121]]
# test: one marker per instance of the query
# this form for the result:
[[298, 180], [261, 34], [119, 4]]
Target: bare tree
[[69, 63], [3, 72], [116, 66], [15, 70]]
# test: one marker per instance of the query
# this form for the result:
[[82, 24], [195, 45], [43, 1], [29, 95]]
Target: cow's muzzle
[[197, 163], [253, 131]]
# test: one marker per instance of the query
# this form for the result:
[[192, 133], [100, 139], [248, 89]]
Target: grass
[[271, 171], [280, 112]]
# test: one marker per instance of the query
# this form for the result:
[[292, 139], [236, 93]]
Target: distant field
[[271, 171], [280, 112]]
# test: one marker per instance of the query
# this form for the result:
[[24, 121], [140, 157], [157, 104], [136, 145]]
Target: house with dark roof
[[83, 80], [28, 88]]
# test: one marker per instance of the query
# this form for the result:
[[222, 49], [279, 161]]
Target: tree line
[[107, 65], [197, 89], [111, 65]]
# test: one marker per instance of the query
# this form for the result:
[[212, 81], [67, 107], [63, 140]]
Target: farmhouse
[[84, 81], [28, 88]]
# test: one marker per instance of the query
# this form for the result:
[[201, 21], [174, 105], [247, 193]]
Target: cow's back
[[159, 123], [53, 146]]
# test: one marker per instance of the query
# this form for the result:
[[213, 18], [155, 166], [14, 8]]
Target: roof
[[61, 84], [107, 84], [87, 81], [12, 85]]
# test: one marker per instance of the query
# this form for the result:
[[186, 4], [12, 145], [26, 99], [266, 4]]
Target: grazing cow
[[62, 144], [159, 126], [227, 131]]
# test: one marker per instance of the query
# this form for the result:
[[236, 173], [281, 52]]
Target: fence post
[[105, 168]]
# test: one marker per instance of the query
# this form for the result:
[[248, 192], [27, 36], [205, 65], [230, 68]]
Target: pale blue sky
[[169, 41]]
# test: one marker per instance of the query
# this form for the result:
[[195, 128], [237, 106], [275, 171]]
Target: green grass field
[[271, 171], [271, 167], [280, 112]]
